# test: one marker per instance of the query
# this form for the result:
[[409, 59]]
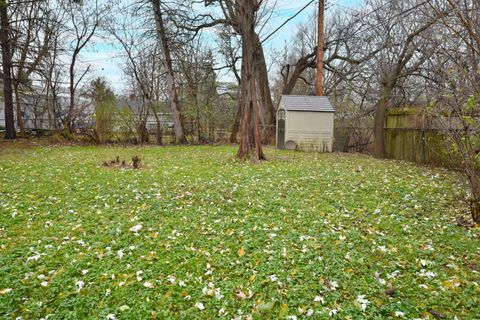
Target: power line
[[287, 21]]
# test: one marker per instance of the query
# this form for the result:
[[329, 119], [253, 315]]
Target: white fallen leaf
[[136, 228], [319, 299], [79, 284], [5, 291], [124, 307], [399, 314]]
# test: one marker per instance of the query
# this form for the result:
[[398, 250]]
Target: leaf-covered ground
[[196, 234]]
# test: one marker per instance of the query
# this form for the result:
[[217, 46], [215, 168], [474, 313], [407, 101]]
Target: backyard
[[195, 233]]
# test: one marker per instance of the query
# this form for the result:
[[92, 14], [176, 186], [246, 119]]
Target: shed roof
[[307, 103]]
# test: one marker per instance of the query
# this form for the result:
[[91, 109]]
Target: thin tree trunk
[[159, 133], [10, 132], [197, 115], [250, 141], [18, 104], [167, 62], [68, 126], [238, 116], [473, 177]]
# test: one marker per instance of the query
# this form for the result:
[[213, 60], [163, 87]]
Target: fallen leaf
[[5, 291], [437, 315], [241, 295], [263, 307], [241, 252]]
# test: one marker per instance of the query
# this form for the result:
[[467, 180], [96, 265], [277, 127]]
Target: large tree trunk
[[167, 62], [289, 81], [292, 81], [264, 88], [10, 132], [379, 123], [250, 140]]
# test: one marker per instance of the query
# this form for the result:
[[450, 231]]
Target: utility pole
[[10, 132], [320, 41]]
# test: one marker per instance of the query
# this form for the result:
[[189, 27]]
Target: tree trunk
[[20, 126], [167, 62], [475, 210], [290, 84], [473, 177], [379, 123], [71, 105], [264, 88], [159, 133], [250, 140], [289, 81], [143, 133], [198, 118], [10, 132], [238, 116]]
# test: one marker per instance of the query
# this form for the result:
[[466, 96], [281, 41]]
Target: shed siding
[[311, 131]]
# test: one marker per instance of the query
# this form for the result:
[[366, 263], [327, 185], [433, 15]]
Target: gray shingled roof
[[307, 103]]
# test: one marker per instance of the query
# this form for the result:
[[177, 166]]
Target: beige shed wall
[[312, 131]]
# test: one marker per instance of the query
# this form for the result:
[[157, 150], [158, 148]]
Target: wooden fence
[[409, 136], [416, 145]]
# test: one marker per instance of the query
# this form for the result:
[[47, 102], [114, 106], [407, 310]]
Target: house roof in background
[[307, 103]]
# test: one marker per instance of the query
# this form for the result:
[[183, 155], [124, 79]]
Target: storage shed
[[305, 123]]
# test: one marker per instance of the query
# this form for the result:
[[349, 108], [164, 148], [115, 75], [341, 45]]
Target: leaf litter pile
[[197, 234]]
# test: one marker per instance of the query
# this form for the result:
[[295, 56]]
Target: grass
[[196, 234]]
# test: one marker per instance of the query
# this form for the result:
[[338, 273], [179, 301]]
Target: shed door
[[281, 130]]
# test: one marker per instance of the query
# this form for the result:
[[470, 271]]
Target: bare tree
[[10, 132], [198, 78], [242, 16], [84, 19], [51, 69], [32, 33], [167, 63], [230, 48], [400, 28], [143, 65], [455, 103]]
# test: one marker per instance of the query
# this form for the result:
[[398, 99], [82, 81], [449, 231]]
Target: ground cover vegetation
[[196, 233]]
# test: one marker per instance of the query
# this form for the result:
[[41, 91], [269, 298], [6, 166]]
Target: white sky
[[106, 57]]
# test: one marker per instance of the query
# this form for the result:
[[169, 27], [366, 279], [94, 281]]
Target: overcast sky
[[106, 59]]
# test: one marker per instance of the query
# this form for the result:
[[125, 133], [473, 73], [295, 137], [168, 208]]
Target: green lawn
[[197, 234]]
